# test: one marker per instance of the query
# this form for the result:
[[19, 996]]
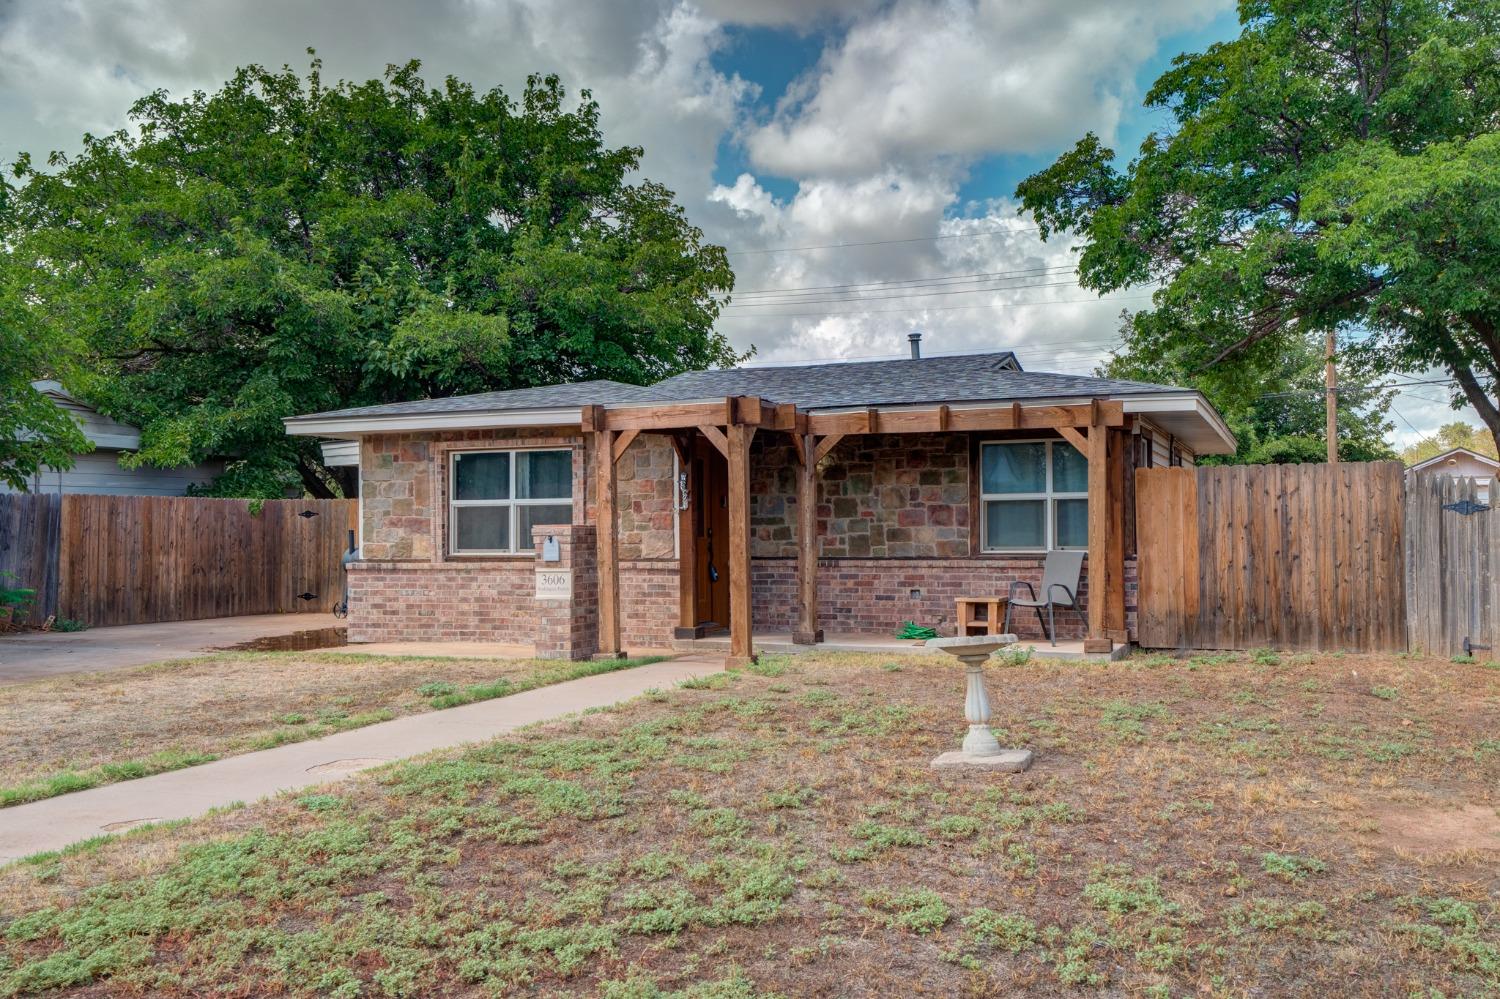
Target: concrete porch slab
[[465, 650], [777, 642]]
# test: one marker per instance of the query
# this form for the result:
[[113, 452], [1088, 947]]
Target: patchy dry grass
[[1220, 826], [86, 729]]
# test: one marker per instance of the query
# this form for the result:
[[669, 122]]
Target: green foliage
[[68, 781], [69, 624], [1291, 867], [15, 601], [920, 910], [1334, 168], [283, 246], [35, 434]]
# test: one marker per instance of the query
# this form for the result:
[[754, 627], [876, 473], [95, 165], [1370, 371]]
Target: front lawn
[[85, 729], [1230, 825]]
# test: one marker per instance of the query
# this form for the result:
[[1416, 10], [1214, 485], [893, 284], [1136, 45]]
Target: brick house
[[845, 498]]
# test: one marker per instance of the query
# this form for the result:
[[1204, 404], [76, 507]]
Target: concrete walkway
[[35, 655], [56, 822]]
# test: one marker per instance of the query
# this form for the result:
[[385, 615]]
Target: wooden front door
[[710, 485]]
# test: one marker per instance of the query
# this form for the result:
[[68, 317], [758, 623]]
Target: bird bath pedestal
[[980, 751]]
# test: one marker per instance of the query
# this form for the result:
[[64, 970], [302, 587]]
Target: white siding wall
[[100, 473]]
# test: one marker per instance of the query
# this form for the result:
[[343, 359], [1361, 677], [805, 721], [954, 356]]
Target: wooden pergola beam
[[944, 418]]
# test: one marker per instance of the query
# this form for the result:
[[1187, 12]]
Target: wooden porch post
[[807, 632], [1119, 456], [741, 643], [609, 564], [687, 542], [1099, 540]]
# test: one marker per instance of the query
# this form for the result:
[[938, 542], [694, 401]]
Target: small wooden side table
[[989, 623]]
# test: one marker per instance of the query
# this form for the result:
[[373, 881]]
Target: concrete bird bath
[[980, 750]]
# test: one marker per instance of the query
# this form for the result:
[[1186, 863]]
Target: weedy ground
[[1226, 825], [85, 729]]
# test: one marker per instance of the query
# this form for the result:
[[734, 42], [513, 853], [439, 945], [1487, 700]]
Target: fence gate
[[1453, 564], [1289, 556]]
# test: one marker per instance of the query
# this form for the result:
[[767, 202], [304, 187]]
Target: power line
[[884, 242], [915, 294], [892, 282], [935, 308]]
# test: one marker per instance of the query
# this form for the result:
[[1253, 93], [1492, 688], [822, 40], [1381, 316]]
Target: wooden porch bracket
[[807, 631], [716, 438], [825, 445], [622, 442], [1075, 438]]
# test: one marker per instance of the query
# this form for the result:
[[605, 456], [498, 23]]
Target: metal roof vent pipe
[[915, 339]]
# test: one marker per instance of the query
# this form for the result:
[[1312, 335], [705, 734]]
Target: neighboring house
[[99, 471], [1460, 462], [846, 497]]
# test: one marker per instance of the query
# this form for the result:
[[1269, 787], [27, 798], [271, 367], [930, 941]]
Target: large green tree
[[283, 246], [1336, 167], [1275, 404]]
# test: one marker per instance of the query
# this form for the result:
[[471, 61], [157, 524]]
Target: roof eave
[[348, 427]]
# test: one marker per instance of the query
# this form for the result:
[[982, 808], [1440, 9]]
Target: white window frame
[[454, 503], [1049, 499]]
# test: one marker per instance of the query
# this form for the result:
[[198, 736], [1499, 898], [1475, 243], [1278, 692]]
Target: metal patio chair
[[1060, 577]]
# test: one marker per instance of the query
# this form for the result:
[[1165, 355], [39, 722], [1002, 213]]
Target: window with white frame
[[496, 497], [1034, 496]]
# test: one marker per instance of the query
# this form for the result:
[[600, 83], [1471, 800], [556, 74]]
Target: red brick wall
[[569, 629], [489, 601], [648, 603], [874, 596]]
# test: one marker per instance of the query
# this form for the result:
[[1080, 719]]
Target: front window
[[1035, 496], [497, 497]]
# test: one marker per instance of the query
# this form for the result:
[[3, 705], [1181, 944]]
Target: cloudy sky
[[856, 157]]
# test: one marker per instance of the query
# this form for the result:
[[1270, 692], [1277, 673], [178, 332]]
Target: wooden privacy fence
[[141, 559], [1289, 556], [29, 527], [1453, 564]]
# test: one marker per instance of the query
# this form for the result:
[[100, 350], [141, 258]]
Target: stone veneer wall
[[404, 478], [644, 499], [879, 496]]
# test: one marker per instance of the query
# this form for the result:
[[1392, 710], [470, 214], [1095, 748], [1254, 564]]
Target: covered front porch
[[718, 583]]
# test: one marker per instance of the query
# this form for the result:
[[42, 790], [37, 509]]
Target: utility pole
[[1330, 392]]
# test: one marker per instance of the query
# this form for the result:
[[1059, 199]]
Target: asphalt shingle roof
[[601, 392], [956, 378], [991, 377]]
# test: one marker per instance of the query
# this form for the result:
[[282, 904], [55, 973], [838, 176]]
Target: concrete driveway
[[36, 655]]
